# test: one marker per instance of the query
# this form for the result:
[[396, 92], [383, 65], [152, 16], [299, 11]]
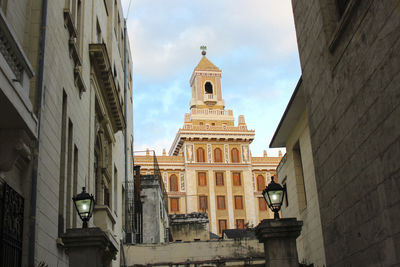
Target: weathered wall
[[193, 251], [189, 227], [310, 242], [155, 215], [352, 96]]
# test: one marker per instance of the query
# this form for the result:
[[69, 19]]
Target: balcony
[[102, 66], [15, 74], [210, 99]]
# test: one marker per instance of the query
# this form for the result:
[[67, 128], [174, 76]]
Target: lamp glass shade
[[84, 204], [84, 207], [273, 195], [275, 198]]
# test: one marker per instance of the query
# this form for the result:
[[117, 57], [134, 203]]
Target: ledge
[[79, 80], [12, 51], [73, 50], [102, 66], [69, 24], [344, 20]]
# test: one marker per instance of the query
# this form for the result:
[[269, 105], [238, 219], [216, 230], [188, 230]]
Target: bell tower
[[206, 85]]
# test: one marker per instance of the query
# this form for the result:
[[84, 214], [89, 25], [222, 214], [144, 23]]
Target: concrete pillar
[[279, 238], [89, 247]]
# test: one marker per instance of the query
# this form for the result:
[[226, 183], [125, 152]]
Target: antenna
[[203, 49]]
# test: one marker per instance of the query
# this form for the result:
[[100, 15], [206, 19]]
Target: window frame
[[237, 182], [176, 200], [221, 203], [236, 199], [220, 158], [200, 154], [204, 197], [242, 223], [173, 183], [262, 207], [219, 182], [225, 222], [235, 155], [263, 185], [199, 179]]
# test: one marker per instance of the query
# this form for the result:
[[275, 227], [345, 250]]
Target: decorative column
[[89, 247], [279, 238]]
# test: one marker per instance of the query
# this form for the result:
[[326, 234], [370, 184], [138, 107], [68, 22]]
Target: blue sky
[[253, 42]]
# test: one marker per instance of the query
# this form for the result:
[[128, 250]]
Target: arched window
[[173, 183], [217, 155], [200, 155], [260, 183], [208, 88], [235, 155]]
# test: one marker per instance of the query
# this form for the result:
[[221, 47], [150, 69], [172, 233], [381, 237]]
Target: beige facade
[[63, 95], [210, 167], [296, 171]]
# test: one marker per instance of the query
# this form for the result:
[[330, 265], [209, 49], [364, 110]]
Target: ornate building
[[209, 167], [62, 125]]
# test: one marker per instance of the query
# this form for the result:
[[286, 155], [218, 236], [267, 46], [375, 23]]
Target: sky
[[253, 42]]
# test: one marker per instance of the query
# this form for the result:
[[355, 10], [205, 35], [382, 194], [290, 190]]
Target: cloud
[[253, 42]]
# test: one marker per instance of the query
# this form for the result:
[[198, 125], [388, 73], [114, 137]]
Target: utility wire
[[129, 6]]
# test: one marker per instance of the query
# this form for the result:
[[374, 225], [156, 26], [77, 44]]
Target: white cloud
[[253, 42]]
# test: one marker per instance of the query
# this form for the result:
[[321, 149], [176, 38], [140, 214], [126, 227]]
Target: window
[[203, 205], [221, 202], [298, 171], [341, 6], [208, 88], [236, 179], [260, 183], [61, 189], [200, 155], [262, 205], [217, 155], [174, 204], [286, 195], [173, 183], [222, 225], [239, 223], [202, 180], [238, 202], [235, 155], [219, 178], [115, 190], [106, 197]]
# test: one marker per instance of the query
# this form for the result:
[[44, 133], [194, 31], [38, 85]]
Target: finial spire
[[203, 49]]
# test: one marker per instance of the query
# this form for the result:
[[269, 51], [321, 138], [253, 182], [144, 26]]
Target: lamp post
[[84, 204], [274, 194]]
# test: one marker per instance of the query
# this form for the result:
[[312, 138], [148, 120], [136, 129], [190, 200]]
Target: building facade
[[349, 54], [210, 167], [63, 120], [296, 172]]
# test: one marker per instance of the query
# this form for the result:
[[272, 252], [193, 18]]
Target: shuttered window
[[173, 183], [238, 202], [202, 181], [221, 202]]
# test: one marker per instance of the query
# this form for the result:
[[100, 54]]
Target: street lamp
[[84, 204], [273, 195]]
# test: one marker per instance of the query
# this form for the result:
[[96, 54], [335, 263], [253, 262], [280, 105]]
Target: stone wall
[[351, 77], [155, 213], [310, 242], [201, 251], [189, 227]]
